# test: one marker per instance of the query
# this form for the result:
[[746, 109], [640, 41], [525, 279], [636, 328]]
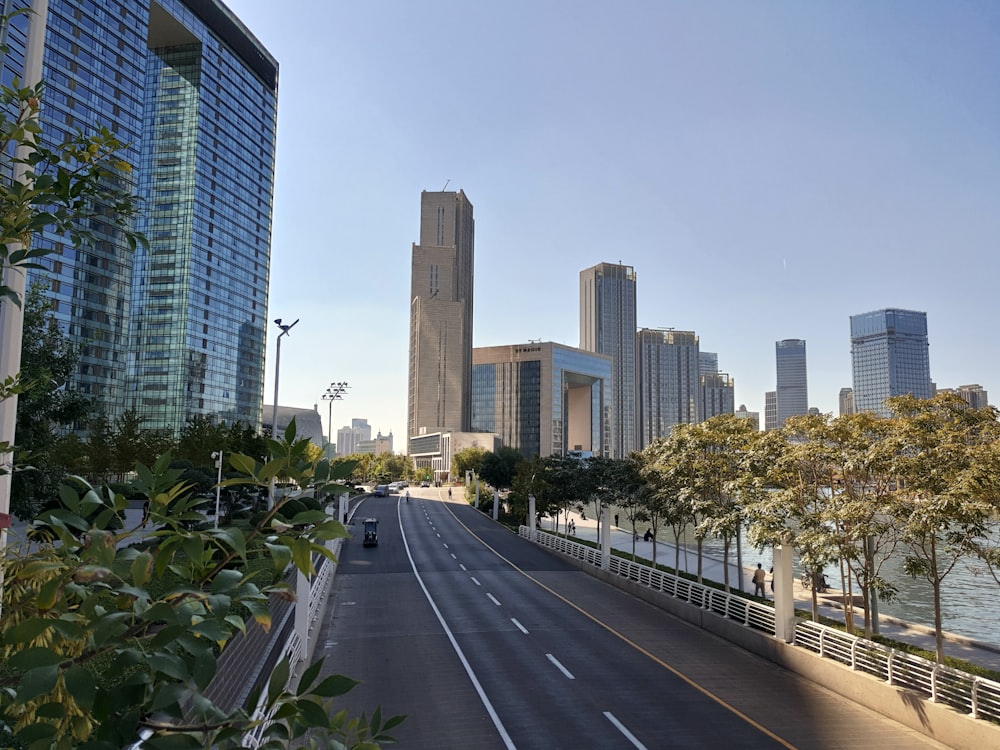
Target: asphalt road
[[485, 640]]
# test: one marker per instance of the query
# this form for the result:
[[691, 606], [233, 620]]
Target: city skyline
[[768, 172]]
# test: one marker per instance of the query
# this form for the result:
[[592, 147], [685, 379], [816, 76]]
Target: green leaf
[[36, 682], [279, 678], [142, 566], [281, 555], [36, 735], [81, 685], [28, 630], [210, 629], [243, 464], [308, 677], [334, 686], [313, 713], [226, 580], [51, 710], [34, 658], [302, 555], [170, 665]]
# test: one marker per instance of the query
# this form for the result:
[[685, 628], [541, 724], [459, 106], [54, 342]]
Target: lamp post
[[285, 328], [333, 393], [217, 455]]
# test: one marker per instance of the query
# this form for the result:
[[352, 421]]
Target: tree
[[500, 468], [47, 360], [467, 459], [661, 470], [106, 635], [941, 446], [617, 482]]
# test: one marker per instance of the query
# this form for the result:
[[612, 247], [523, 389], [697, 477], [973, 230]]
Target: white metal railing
[[977, 696], [293, 649], [747, 611]]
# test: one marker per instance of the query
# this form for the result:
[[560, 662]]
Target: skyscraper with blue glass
[[890, 356], [792, 391], [176, 329]]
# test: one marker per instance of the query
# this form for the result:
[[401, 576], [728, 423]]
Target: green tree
[[500, 467], [661, 469], [106, 635], [467, 459], [47, 360], [943, 450]]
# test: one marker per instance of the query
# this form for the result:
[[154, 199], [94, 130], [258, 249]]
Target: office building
[[718, 394], [348, 438], [846, 401], [608, 326], [889, 357], [753, 416], [771, 410], [669, 386], [708, 363], [543, 398], [973, 394], [177, 329], [441, 282], [792, 392]]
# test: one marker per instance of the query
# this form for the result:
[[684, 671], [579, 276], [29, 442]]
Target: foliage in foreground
[[93, 659]]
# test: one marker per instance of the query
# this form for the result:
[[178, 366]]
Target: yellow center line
[[704, 691]]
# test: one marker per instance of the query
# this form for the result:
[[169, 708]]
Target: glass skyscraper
[[178, 329], [792, 384], [669, 382], [608, 326], [890, 356]]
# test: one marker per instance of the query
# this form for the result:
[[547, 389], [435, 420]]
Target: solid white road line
[[507, 741], [519, 626], [566, 673], [621, 728], [494, 599]]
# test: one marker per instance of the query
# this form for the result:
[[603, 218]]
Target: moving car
[[382, 490], [371, 532], [425, 483]]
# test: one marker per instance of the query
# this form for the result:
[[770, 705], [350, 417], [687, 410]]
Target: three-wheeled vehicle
[[371, 532]]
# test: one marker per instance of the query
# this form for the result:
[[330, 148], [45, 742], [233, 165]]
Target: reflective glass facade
[[890, 356], [543, 398], [608, 326], [668, 367], [178, 329], [792, 384]]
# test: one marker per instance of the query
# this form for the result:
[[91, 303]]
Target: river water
[[968, 595]]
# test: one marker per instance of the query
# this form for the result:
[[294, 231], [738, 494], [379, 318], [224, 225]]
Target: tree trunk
[[699, 561], [725, 563], [938, 635]]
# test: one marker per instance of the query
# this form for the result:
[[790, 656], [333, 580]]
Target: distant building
[[753, 416], [792, 388], [974, 394], [669, 384], [718, 395], [542, 398], [889, 357], [607, 326], [708, 363], [308, 423], [441, 286], [434, 451], [846, 401], [348, 438], [771, 410], [377, 446]]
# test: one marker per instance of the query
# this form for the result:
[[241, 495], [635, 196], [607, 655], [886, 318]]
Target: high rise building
[[669, 386], [771, 410], [718, 394], [792, 391], [889, 357], [846, 401], [348, 438], [974, 394], [441, 284], [543, 398], [177, 329], [708, 363], [608, 326], [753, 416]]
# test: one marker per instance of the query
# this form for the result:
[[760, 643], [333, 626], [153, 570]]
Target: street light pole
[[285, 328], [333, 393], [217, 455]]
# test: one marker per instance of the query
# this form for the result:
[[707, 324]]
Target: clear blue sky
[[768, 169]]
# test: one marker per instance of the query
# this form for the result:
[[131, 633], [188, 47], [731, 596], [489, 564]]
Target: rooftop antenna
[[445, 184]]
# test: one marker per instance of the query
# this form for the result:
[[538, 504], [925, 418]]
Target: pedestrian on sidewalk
[[616, 519], [758, 581], [648, 536]]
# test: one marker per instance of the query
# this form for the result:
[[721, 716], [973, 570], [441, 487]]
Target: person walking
[[759, 577]]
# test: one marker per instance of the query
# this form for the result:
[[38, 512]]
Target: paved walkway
[[982, 654]]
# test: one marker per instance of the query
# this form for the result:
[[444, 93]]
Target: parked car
[[425, 483]]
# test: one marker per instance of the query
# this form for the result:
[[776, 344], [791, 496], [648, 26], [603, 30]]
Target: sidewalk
[[982, 654]]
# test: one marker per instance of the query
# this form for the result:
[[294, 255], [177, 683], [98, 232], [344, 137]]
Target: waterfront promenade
[[982, 654]]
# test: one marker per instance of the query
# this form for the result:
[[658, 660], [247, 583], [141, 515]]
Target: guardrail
[[749, 612], [977, 696]]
